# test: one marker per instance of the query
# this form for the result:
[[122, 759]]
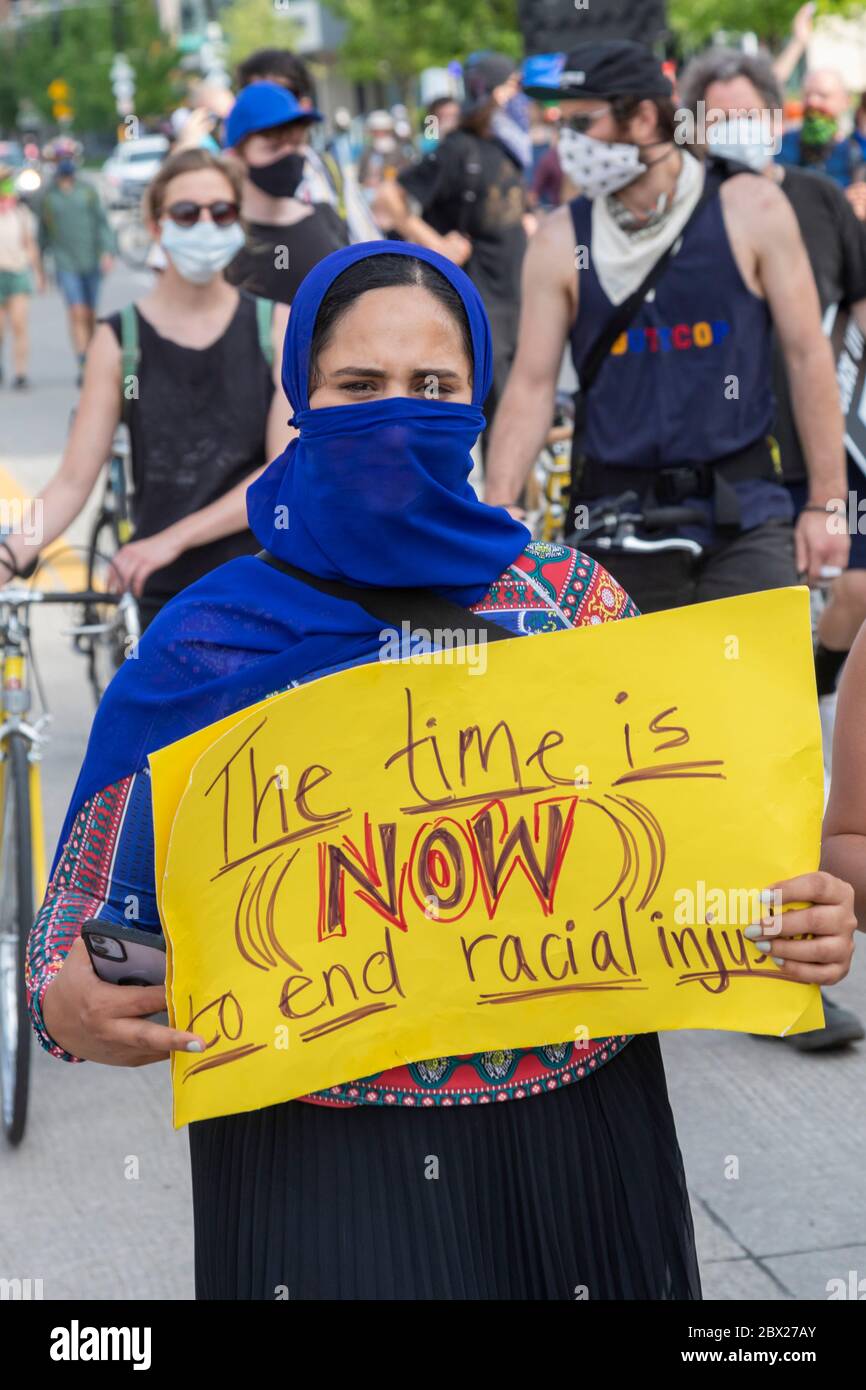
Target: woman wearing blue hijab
[[387, 358]]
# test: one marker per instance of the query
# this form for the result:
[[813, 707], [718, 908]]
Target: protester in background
[[824, 140], [467, 200], [403, 133], [19, 263], [197, 126], [439, 120], [203, 417], [654, 420], [383, 156], [323, 180], [74, 228], [546, 190], [339, 145], [268, 130]]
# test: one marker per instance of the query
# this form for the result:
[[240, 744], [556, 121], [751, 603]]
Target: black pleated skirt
[[577, 1193]]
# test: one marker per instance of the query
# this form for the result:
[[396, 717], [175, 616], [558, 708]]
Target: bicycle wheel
[[134, 242], [105, 651], [16, 919]]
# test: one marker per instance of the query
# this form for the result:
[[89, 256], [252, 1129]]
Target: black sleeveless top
[[197, 428]]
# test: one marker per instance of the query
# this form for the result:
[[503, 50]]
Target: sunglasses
[[186, 214], [582, 124]]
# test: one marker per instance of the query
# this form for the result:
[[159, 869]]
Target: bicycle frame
[[116, 498], [14, 708]]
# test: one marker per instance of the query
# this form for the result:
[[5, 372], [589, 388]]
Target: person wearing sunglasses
[[191, 369], [268, 129]]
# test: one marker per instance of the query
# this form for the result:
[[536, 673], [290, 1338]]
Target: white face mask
[[200, 252], [596, 167], [743, 139]]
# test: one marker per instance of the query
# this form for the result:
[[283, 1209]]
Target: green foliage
[[80, 50], [251, 24], [695, 21], [398, 38]]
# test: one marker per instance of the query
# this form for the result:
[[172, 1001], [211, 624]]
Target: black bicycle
[[623, 523], [109, 632]]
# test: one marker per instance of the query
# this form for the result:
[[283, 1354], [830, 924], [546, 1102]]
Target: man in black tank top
[[681, 406], [268, 129], [649, 408]]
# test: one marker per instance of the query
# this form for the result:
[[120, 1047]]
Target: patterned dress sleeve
[[105, 871], [556, 586]]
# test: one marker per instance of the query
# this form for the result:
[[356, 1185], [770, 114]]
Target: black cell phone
[[126, 956]]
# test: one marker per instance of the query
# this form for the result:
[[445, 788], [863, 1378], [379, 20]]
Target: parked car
[[130, 168]]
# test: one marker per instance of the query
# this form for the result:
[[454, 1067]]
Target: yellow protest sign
[[417, 859]]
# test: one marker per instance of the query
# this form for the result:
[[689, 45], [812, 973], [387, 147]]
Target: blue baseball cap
[[261, 106]]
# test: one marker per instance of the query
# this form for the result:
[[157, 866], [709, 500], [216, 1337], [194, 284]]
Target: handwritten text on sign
[[400, 862]]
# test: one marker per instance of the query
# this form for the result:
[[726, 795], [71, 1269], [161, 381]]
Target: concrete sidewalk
[[96, 1201]]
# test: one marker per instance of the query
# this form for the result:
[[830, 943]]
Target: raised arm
[[86, 450], [843, 847], [796, 47], [785, 275]]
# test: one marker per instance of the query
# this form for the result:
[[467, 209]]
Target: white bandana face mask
[[598, 168], [742, 139]]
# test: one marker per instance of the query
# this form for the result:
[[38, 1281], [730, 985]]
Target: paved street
[[96, 1202]]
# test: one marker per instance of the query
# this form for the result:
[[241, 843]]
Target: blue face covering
[[394, 471], [375, 494]]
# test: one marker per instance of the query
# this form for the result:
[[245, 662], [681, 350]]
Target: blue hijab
[[374, 494]]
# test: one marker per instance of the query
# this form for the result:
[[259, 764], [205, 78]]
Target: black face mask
[[280, 179]]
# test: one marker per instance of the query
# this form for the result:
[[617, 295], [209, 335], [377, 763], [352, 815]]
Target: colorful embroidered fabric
[[106, 871]]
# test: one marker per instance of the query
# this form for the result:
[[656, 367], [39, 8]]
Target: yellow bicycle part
[[14, 671]]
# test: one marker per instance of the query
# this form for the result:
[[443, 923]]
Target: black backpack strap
[[421, 608]]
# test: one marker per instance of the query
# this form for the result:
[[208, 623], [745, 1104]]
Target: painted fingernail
[[778, 960], [195, 1047], [754, 931], [763, 946], [768, 895]]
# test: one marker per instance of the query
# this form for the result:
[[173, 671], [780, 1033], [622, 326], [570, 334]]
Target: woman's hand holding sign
[[99, 1022], [812, 943]]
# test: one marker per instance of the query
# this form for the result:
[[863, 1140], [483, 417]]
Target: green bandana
[[818, 129]]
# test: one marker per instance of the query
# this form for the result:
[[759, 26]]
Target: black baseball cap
[[601, 70], [482, 74]]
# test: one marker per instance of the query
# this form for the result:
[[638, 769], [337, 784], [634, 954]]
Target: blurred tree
[[398, 38], [82, 52], [695, 21], [251, 24]]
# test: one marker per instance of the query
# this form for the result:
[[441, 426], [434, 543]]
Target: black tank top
[[197, 428]]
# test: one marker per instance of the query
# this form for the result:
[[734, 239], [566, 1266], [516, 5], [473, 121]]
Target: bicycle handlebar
[[606, 520], [20, 597]]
